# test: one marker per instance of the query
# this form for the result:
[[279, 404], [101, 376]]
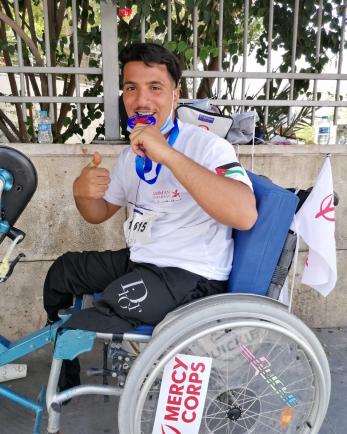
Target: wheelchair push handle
[[7, 266], [6, 180], [16, 235]]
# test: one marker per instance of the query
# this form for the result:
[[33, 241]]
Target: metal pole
[[110, 68], [269, 54], [245, 47], [339, 70], [318, 42], [294, 42], [20, 61], [195, 45], [75, 52], [48, 58], [169, 22], [220, 43], [143, 29]]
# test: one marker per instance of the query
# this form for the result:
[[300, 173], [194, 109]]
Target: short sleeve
[[222, 160], [116, 191]]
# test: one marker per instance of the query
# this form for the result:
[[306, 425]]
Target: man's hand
[[93, 180], [147, 140]]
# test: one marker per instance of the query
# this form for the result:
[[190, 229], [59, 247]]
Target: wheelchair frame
[[184, 329], [176, 331]]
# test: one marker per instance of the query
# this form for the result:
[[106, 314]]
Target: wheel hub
[[234, 413]]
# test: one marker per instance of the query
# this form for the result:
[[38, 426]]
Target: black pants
[[131, 293]]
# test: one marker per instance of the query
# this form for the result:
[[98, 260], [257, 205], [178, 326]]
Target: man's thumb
[[96, 160]]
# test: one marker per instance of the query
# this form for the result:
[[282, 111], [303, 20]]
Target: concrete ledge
[[54, 226]]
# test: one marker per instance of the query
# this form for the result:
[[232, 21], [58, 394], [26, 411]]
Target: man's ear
[[176, 95]]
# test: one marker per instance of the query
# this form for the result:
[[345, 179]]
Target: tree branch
[[8, 121], [72, 85], [20, 32], [10, 137], [60, 17], [31, 22], [13, 85]]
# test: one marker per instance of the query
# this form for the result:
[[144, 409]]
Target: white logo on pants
[[132, 296]]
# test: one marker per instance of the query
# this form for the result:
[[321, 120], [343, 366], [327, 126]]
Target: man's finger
[[102, 172], [96, 161], [102, 180]]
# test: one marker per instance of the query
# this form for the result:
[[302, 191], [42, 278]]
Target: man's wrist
[[171, 157]]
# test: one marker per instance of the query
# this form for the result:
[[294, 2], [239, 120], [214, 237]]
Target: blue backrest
[[256, 252]]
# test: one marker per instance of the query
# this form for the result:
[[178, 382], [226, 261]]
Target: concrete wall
[[53, 226]]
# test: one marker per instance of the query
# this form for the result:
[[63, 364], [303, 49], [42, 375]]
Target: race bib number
[[182, 395], [138, 227]]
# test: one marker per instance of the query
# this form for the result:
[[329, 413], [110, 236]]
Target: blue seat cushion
[[257, 251], [143, 329]]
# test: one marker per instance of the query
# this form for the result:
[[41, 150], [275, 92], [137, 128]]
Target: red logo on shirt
[[176, 193], [161, 196]]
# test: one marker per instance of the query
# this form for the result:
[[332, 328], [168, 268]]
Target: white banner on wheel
[[182, 395]]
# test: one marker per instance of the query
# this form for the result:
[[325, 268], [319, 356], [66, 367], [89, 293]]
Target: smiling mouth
[[145, 113]]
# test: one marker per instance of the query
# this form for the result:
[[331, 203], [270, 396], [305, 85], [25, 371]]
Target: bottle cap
[[43, 112]]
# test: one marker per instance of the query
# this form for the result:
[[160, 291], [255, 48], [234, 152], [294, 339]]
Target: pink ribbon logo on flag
[[172, 429], [326, 206]]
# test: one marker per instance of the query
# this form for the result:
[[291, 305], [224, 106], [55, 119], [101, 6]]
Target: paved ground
[[90, 415]]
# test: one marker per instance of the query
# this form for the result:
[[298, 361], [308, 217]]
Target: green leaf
[[188, 54], [85, 123], [214, 52], [171, 45], [203, 53], [182, 46]]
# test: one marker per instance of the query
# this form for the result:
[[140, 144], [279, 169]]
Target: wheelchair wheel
[[290, 396]]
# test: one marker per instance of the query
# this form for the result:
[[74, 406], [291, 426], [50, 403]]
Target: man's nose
[[142, 98]]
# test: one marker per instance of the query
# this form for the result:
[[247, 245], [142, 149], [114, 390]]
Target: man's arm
[[228, 201], [89, 189]]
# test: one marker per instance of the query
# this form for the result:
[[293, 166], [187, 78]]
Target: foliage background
[[129, 19]]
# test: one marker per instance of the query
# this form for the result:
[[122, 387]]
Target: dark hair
[[149, 53]]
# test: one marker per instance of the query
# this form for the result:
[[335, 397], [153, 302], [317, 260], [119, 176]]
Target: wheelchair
[[268, 371]]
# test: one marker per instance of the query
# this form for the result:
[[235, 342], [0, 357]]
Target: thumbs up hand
[[93, 180], [96, 161]]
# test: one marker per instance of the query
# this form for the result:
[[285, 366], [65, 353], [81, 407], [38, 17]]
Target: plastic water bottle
[[44, 128], [323, 131]]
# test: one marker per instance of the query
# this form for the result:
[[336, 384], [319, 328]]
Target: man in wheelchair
[[185, 190], [181, 212]]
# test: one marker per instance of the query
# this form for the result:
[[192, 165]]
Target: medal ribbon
[[144, 165]]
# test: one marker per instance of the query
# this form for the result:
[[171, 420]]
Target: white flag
[[315, 223]]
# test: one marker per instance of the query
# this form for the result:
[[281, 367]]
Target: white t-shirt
[[178, 232]]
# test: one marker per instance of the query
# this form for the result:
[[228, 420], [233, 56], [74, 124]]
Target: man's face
[[149, 90]]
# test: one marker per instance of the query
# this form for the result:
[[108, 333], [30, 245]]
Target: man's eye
[[129, 88], [156, 88]]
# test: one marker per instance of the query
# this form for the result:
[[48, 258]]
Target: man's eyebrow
[[148, 83], [156, 82]]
